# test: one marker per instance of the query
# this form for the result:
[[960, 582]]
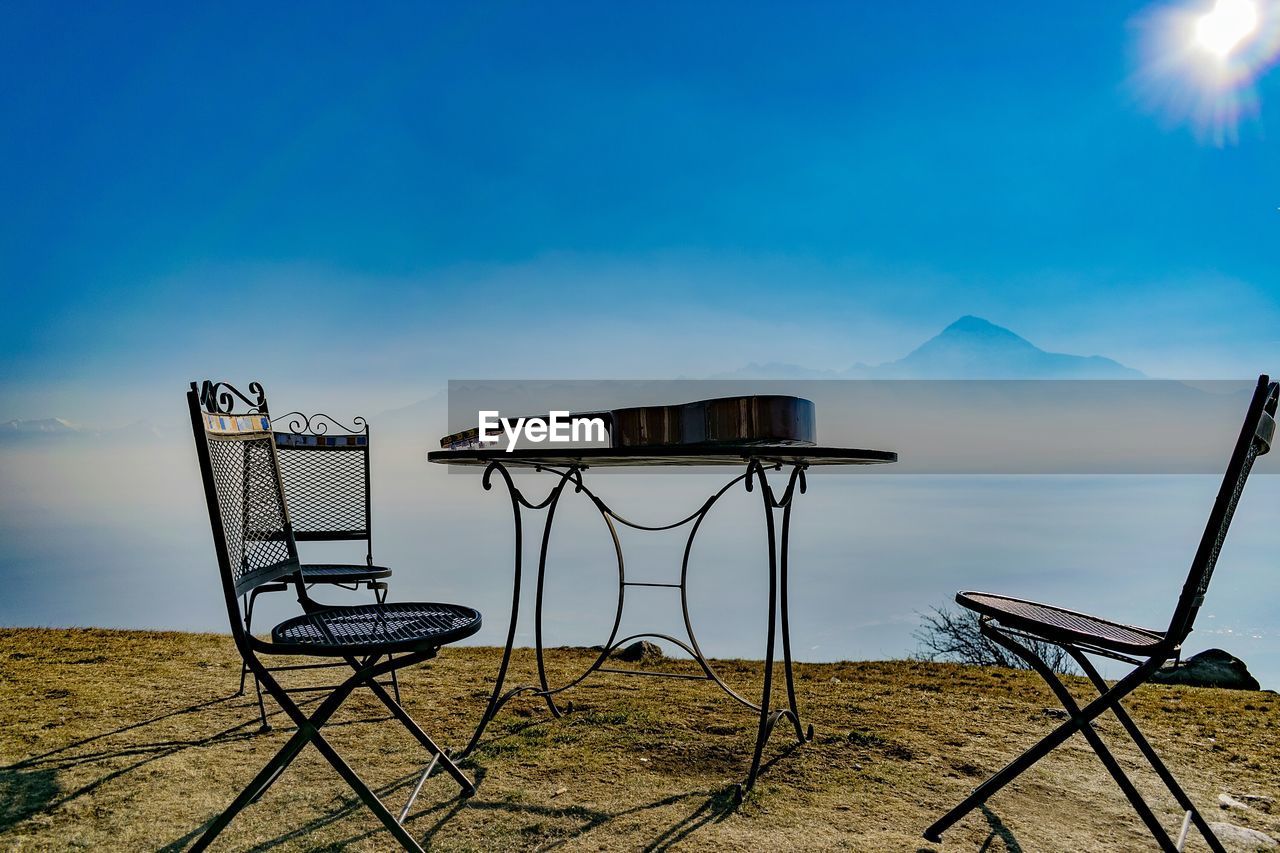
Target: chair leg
[[417, 789], [1104, 754], [308, 729], [366, 794], [262, 707], [1046, 745], [1148, 752], [257, 787], [244, 667], [395, 684], [468, 787], [1001, 778], [244, 664], [380, 590], [309, 732], [1157, 831]]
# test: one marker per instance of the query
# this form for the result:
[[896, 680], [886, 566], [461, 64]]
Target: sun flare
[[1230, 22], [1199, 65]]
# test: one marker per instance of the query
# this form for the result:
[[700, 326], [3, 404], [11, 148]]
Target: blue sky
[[396, 195]]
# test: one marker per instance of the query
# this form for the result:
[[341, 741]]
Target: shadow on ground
[[706, 808], [24, 793], [30, 787], [1000, 831]]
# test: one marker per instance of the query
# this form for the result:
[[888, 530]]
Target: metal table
[[567, 467]]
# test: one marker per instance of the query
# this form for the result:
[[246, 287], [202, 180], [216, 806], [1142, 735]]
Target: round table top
[[665, 455]]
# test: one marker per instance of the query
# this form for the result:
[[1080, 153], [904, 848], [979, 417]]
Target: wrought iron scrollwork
[[298, 423], [756, 468], [219, 398], [778, 548], [570, 475]]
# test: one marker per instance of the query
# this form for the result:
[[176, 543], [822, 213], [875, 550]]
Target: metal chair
[[325, 468], [255, 545], [1006, 621]]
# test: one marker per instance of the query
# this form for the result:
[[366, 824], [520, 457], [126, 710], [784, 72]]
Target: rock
[[1210, 668], [1258, 801], [1227, 801], [641, 650], [1242, 838]]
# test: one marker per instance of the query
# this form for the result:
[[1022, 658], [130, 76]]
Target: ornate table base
[[776, 614]]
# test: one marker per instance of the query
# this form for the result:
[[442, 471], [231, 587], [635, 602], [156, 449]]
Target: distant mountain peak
[[976, 326], [975, 348], [969, 348], [21, 429], [42, 426]]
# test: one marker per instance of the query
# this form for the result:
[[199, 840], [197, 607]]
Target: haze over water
[[110, 529]]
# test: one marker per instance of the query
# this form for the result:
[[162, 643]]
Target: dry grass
[[128, 741]]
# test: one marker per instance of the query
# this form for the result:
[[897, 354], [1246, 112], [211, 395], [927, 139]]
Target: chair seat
[[1056, 624], [342, 572], [374, 629]]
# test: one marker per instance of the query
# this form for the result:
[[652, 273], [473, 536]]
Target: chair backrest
[[242, 487], [325, 468], [1255, 440]]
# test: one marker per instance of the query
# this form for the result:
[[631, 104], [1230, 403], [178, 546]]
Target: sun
[[1224, 28], [1199, 62]]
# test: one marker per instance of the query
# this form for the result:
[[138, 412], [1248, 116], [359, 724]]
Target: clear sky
[[391, 195]]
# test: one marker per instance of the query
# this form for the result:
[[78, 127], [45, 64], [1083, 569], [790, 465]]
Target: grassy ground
[[130, 741]]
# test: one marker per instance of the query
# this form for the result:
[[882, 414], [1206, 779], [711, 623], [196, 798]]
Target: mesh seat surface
[[375, 629], [1055, 623], [342, 572]]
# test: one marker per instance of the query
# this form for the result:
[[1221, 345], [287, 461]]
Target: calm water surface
[[118, 537]]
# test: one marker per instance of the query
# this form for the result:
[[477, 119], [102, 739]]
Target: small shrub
[[956, 636]]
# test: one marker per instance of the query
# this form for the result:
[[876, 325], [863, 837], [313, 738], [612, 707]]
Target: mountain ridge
[[969, 348]]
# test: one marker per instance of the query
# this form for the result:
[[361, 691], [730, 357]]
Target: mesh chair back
[[242, 487], [325, 468], [1255, 440]]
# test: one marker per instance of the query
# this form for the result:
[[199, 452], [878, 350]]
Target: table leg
[[497, 698], [802, 735], [547, 693], [778, 552]]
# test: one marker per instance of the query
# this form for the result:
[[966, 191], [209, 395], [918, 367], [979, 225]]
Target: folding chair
[[1007, 621], [255, 545], [325, 468]]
